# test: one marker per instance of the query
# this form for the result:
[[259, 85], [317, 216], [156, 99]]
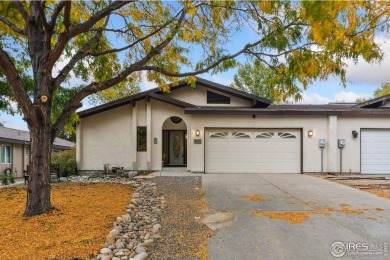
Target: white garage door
[[375, 151], [253, 151]]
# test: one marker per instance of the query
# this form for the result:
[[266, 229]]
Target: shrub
[[4, 180], [67, 162], [11, 178]]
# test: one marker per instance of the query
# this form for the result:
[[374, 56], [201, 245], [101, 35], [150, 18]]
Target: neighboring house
[[15, 149], [216, 129]]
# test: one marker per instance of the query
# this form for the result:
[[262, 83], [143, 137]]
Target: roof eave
[[245, 111]]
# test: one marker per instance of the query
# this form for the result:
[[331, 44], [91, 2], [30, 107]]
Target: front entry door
[[175, 149]]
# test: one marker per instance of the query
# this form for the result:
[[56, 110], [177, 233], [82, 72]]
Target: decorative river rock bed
[[133, 233]]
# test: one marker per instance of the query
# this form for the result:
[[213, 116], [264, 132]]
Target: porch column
[[189, 142], [78, 145], [333, 151], [149, 134], [133, 153]]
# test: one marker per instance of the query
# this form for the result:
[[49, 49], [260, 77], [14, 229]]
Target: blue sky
[[362, 78]]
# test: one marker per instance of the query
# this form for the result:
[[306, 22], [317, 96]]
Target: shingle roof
[[257, 101], [19, 136], [374, 103], [312, 107]]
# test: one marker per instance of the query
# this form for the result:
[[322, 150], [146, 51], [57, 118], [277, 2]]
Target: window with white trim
[[6, 156], [286, 135], [218, 134], [241, 135], [265, 135]]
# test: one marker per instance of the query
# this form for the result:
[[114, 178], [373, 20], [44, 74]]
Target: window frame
[[217, 99], [144, 141], [3, 156]]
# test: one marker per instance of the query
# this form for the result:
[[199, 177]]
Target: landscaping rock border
[[134, 232]]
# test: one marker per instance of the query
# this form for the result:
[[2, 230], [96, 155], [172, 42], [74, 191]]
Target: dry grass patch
[[378, 187], [298, 217], [384, 193], [255, 197], [352, 211], [76, 227], [292, 217]]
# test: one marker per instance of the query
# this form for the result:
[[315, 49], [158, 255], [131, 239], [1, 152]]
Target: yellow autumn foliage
[[76, 227]]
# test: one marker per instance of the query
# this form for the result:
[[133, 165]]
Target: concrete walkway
[[259, 237]]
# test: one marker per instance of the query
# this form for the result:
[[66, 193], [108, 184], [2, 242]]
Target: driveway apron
[[260, 237]]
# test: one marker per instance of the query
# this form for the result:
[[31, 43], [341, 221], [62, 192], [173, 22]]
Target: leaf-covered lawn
[[77, 226]]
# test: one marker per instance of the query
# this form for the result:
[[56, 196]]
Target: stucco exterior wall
[[198, 96], [311, 160], [4, 166], [105, 138], [110, 136], [351, 152], [160, 113], [17, 160]]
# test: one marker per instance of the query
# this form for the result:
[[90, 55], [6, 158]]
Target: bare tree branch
[[281, 53], [12, 26], [72, 105], [96, 54], [81, 53], [56, 12], [78, 29], [41, 6], [16, 83]]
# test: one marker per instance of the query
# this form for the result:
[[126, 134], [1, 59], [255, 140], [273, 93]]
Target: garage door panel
[[229, 167], [277, 151], [375, 151]]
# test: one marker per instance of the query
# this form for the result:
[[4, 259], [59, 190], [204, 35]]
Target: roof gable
[[158, 94], [376, 102], [23, 137]]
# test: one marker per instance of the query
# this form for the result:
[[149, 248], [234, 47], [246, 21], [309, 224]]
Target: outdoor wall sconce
[[355, 134], [310, 133], [197, 133]]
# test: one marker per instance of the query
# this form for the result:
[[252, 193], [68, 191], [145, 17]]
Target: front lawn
[[77, 227]]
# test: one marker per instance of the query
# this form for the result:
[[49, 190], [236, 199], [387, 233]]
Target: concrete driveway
[[259, 237]]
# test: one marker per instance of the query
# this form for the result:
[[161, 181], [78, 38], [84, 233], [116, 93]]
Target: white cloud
[[343, 96], [73, 80], [86, 105], [15, 125], [14, 105], [146, 84], [348, 96], [220, 80], [314, 98], [375, 74]]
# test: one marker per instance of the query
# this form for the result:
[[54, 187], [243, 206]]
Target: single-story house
[[216, 129], [15, 149]]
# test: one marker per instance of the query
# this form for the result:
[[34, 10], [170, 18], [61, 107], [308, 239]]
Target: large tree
[[257, 79], [383, 90], [104, 43]]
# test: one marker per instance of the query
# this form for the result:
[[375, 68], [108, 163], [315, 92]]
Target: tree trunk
[[38, 189]]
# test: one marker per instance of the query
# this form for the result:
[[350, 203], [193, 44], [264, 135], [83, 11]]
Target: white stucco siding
[[110, 136], [160, 113], [105, 138], [311, 158], [351, 152], [198, 97]]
